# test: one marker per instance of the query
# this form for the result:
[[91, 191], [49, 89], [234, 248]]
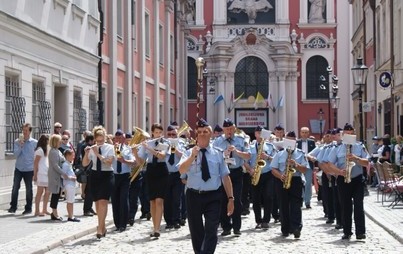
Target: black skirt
[[101, 184], [157, 180]]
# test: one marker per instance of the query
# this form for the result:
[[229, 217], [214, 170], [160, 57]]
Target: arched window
[[251, 76], [315, 88], [192, 79]]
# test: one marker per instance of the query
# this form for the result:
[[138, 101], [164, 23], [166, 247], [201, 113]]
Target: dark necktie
[[229, 141], [204, 166], [99, 165], [119, 164], [171, 159], [155, 158]]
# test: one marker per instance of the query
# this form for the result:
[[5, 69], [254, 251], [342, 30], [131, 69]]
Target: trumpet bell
[[138, 137], [184, 128]]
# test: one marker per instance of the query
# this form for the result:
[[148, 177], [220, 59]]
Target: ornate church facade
[[269, 62]]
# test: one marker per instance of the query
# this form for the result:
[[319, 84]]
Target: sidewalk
[[390, 219], [29, 234]]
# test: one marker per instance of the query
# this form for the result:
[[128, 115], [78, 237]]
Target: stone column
[[156, 63], [199, 13], [282, 116], [303, 11], [292, 103]]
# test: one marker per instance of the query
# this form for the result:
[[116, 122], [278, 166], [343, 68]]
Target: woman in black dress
[[155, 152], [102, 156]]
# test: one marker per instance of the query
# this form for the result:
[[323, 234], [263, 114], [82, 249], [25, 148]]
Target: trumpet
[[118, 153]]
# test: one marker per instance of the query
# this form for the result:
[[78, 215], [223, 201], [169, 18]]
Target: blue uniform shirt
[[338, 157], [237, 141], [174, 167], [146, 154], [217, 168], [280, 160], [25, 154], [126, 154], [268, 148]]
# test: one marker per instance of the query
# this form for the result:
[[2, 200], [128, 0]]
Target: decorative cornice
[[62, 3]]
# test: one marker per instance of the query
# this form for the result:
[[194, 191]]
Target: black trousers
[[172, 199], [327, 197], [120, 200], [263, 193], [144, 199], [88, 201], [134, 195], [236, 176], [290, 204], [353, 195], [337, 202], [207, 205], [54, 200], [246, 192]]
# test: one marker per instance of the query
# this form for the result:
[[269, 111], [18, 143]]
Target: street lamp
[[335, 99], [323, 87], [360, 73], [320, 115]]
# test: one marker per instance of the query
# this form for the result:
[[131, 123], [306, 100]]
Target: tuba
[[259, 165], [289, 170], [184, 128], [138, 137], [349, 165]]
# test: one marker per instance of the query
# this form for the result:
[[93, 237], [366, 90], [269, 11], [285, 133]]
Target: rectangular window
[[38, 98], [148, 125], [161, 43], [79, 118], [134, 30], [15, 111], [172, 53], [119, 13], [93, 111], [162, 120], [120, 110], [147, 34]]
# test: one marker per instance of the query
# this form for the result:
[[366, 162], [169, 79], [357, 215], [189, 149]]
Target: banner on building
[[251, 118]]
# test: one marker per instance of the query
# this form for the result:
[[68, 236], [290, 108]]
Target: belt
[[232, 169], [202, 191], [172, 173]]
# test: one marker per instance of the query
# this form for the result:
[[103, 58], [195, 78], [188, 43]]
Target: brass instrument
[[138, 137], [184, 128], [289, 170], [349, 165], [118, 153], [259, 165]]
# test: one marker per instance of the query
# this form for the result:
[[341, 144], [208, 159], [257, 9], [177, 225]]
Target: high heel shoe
[[104, 234], [99, 236]]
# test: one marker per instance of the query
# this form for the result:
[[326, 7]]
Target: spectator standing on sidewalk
[[24, 149], [41, 167], [69, 183]]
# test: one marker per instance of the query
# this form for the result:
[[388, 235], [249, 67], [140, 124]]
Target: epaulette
[[218, 149]]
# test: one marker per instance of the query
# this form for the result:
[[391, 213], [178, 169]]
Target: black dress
[[157, 179]]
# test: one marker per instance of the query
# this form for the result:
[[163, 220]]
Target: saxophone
[[349, 165], [259, 165], [289, 170]]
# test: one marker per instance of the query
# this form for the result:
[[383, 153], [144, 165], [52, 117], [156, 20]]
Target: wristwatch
[[231, 198]]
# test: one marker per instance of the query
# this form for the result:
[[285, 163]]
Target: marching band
[[209, 173]]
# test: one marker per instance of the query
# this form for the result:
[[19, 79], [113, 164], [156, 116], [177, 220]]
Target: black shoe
[[93, 212], [338, 226], [182, 222], [258, 226], [155, 235], [276, 220], [74, 219], [25, 212], [99, 236], [169, 226], [143, 216], [346, 237], [360, 236], [12, 210], [131, 222], [177, 226], [117, 229], [237, 232], [246, 212], [52, 217], [308, 207], [89, 214], [297, 233], [226, 232], [285, 234], [265, 225], [122, 230], [149, 218], [329, 221]]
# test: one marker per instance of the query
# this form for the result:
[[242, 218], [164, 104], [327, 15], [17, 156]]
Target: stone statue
[[190, 11], [316, 11], [250, 7]]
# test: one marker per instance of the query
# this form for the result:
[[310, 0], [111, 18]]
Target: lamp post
[[320, 115], [335, 99], [360, 73]]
